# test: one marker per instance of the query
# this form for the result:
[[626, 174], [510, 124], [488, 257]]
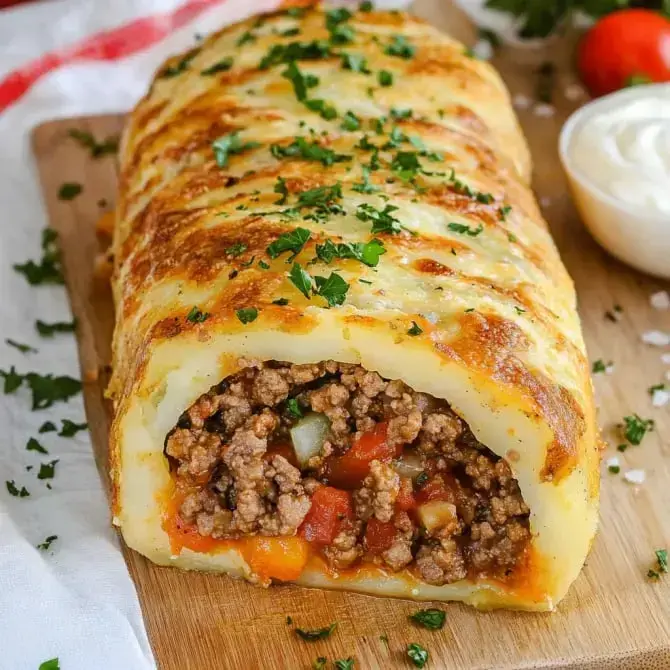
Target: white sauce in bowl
[[624, 150]]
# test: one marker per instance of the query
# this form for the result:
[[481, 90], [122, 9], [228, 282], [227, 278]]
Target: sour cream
[[616, 153]]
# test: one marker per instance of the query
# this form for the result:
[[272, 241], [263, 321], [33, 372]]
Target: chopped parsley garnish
[[400, 114], [365, 6], [47, 470], [323, 200], [49, 329], [503, 212], [96, 149], [417, 654], [336, 19], [318, 634], [47, 427], [621, 447], [367, 253], [325, 110], [311, 151], [46, 545], [661, 566], [614, 469], [280, 301], [220, 66], [15, 491], [600, 366], [46, 389], [196, 315], [344, 663], [246, 38], [355, 63], [320, 663], [281, 188], [247, 314], [519, 310], [429, 618], [263, 265], [51, 664], [300, 279], [293, 408], [49, 270], [299, 81], [464, 229], [292, 241], [285, 53], [228, 145], [350, 121], [635, 428], [70, 428], [656, 387], [333, 289], [421, 481], [400, 48], [34, 445], [181, 66], [236, 249], [289, 620], [415, 329], [382, 220], [385, 78], [365, 186], [23, 348]]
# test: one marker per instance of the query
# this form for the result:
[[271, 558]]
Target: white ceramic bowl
[[638, 238]]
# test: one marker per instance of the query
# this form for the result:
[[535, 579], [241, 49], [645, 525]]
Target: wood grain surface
[[612, 617]]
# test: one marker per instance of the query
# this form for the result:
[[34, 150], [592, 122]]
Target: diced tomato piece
[[349, 471], [405, 500], [331, 508], [440, 487], [284, 449], [379, 535], [276, 557]]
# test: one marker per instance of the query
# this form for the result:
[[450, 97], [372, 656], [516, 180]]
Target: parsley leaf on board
[[417, 654], [49, 270], [661, 566], [196, 315], [69, 190], [46, 389], [318, 634], [292, 241], [110, 145], [47, 427], [23, 348], [15, 491], [600, 366], [49, 329], [344, 663], [34, 445], [12, 380], [429, 618], [70, 428], [635, 428], [247, 314], [333, 288], [51, 664], [48, 541], [47, 470], [228, 145]]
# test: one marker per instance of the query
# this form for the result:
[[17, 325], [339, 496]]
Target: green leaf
[[236, 249], [318, 634], [320, 663], [228, 145], [246, 38], [635, 428], [97, 149], [34, 445], [49, 329], [309, 151], [15, 491], [49, 270], [662, 559], [365, 186], [415, 329], [355, 63], [417, 654], [324, 109], [221, 66], [196, 315], [300, 279], [293, 408], [47, 470], [367, 253], [344, 664], [350, 121], [46, 545], [47, 389], [333, 289], [12, 380], [292, 241], [464, 229], [69, 190], [23, 348], [47, 427], [429, 618], [382, 220], [247, 315], [181, 66], [400, 47], [299, 81], [295, 51], [385, 78], [70, 428], [281, 188]]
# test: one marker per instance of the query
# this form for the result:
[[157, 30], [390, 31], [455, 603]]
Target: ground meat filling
[[431, 498]]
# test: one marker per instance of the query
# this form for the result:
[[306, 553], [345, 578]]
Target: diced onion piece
[[409, 464], [437, 514], [308, 436]]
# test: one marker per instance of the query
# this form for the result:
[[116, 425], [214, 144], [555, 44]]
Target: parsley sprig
[[49, 269], [230, 144], [332, 288]]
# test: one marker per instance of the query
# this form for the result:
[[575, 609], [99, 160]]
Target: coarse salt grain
[[656, 338], [612, 462], [609, 369], [635, 476], [521, 101], [660, 397], [574, 92], [660, 300], [483, 49], [543, 110], [665, 358]]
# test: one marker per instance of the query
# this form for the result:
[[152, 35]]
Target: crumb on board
[[660, 397], [544, 110], [635, 476], [660, 300]]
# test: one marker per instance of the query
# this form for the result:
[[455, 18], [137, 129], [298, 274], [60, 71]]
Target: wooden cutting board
[[612, 618]]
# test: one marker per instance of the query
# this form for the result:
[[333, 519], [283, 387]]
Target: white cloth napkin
[[76, 601]]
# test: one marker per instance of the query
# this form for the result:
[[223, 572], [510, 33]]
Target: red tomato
[[350, 470], [379, 535], [330, 509], [284, 449], [440, 487], [405, 500], [624, 44]]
